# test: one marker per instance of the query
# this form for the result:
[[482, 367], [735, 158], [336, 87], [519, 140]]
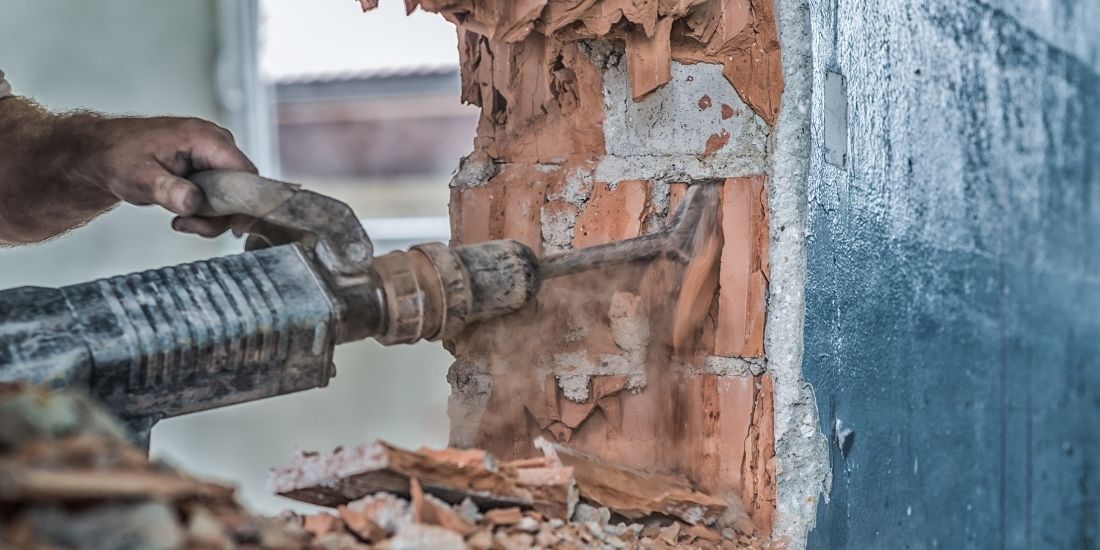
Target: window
[[366, 109]]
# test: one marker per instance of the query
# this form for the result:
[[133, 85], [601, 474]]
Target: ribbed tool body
[[178, 339]]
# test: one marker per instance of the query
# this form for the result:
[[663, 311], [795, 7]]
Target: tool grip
[[283, 213], [229, 193]]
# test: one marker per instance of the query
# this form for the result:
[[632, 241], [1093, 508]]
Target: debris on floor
[[70, 479], [348, 474], [451, 498], [392, 523]]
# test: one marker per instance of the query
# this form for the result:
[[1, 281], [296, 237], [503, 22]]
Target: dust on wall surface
[[596, 117], [952, 290]]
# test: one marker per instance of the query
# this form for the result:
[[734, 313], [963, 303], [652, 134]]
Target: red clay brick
[[472, 210], [612, 215], [522, 213], [743, 271]]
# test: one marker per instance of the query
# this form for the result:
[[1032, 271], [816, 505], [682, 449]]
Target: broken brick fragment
[[633, 493], [432, 511], [362, 527], [384, 510], [322, 523], [147, 516], [349, 474], [504, 516]]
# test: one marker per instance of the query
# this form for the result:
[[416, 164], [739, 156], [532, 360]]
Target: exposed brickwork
[[743, 279], [643, 408], [622, 362]]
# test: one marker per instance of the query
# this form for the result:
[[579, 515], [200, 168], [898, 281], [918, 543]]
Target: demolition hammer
[[208, 334]]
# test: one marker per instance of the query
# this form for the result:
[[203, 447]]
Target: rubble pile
[[386, 521], [70, 479], [464, 499]]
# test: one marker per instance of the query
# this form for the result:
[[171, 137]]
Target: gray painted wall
[[953, 274]]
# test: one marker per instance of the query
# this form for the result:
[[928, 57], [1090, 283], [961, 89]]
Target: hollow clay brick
[[541, 119], [612, 215], [524, 190], [676, 192], [472, 208], [504, 48], [743, 269]]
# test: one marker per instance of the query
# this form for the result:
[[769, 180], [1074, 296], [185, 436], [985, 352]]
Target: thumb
[[163, 188], [178, 195]]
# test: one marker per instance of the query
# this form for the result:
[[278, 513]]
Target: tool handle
[[229, 193], [284, 213]]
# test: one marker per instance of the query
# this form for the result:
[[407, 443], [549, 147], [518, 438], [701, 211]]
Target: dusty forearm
[[41, 192], [59, 171]]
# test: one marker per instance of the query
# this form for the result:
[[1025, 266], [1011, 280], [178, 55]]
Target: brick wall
[[593, 125]]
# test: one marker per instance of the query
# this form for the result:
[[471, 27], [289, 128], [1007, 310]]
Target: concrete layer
[[665, 136], [800, 449], [952, 289]]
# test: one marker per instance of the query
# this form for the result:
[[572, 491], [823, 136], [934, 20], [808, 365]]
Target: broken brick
[[361, 525], [504, 516], [322, 523], [743, 278], [649, 58], [612, 215], [474, 213], [351, 473], [432, 511], [542, 110], [382, 509], [633, 493]]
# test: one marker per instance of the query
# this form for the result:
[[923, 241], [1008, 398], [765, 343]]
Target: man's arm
[[57, 172]]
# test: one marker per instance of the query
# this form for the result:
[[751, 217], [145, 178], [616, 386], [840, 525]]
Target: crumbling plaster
[[802, 475]]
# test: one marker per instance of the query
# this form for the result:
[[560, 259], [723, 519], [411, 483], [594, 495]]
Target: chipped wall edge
[[802, 468]]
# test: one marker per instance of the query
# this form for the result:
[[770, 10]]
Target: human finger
[[213, 148], [205, 227], [161, 187]]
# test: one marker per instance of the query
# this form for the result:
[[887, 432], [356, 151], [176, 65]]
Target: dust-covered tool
[[203, 335]]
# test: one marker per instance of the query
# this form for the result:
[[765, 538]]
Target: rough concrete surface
[[664, 135], [951, 274], [801, 456]]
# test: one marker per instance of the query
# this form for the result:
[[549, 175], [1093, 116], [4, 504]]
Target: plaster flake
[[739, 36]]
